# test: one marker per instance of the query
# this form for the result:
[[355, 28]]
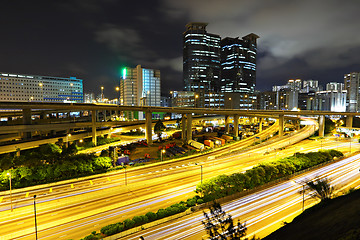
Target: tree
[[219, 225], [321, 188], [158, 128]]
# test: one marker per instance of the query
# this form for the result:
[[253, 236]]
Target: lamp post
[[41, 86], [350, 144], [67, 139], [118, 90], [102, 94], [196, 100], [201, 167], [125, 176], [36, 236], [303, 193], [161, 154], [9, 174]]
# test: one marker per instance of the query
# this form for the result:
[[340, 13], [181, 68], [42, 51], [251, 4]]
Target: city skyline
[[93, 40]]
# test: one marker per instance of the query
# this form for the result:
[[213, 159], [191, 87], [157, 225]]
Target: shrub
[[151, 216], [200, 201], [140, 220], [128, 223], [161, 213], [190, 202]]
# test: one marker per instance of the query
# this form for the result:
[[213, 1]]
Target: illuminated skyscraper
[[139, 87], [238, 64], [201, 60], [351, 81]]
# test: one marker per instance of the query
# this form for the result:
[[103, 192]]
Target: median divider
[[147, 225]]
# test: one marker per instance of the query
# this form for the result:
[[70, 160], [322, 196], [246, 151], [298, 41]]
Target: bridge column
[[227, 123], [281, 125], [236, 125], [321, 125], [349, 121], [260, 124], [93, 126], [189, 127], [183, 127], [104, 115], [26, 112], [148, 127]]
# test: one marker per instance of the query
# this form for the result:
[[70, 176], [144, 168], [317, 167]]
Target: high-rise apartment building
[[201, 60], [33, 88], [351, 81], [140, 87]]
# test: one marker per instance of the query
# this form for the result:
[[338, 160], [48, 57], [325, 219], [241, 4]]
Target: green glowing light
[[124, 73]]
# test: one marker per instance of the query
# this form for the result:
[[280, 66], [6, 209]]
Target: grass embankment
[[338, 218]]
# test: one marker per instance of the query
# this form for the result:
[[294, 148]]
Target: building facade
[[351, 82], [33, 88], [140, 87], [201, 59], [238, 64]]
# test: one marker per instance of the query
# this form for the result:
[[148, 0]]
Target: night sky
[[93, 39]]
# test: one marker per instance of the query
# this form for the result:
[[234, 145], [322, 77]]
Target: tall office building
[[201, 60], [140, 87], [238, 64], [33, 88], [351, 81]]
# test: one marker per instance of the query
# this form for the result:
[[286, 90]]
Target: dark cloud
[[322, 34], [93, 39]]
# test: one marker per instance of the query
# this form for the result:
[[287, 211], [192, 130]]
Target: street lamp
[[201, 172], [41, 86], [231, 105], [196, 100], [303, 193], [118, 90], [102, 93], [67, 139], [161, 154], [125, 176], [9, 174], [35, 218]]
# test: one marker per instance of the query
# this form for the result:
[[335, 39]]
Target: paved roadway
[[263, 211], [84, 204]]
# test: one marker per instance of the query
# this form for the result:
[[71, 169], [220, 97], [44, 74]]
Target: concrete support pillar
[[183, 127], [236, 125], [281, 125], [189, 127], [93, 126], [260, 124], [321, 125], [349, 121], [26, 121], [43, 115], [148, 128], [97, 116], [227, 123]]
